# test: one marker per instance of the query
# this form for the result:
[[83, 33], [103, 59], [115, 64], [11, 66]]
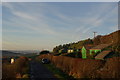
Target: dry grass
[[16, 70]]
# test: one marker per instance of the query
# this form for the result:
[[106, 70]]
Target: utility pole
[[94, 34]]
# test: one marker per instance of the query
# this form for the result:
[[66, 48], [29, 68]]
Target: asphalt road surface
[[39, 72]]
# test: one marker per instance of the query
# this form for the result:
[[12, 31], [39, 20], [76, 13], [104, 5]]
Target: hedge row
[[16, 70], [80, 68]]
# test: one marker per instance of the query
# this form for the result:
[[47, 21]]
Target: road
[[38, 71]]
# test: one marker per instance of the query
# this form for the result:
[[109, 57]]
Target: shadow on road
[[38, 71]]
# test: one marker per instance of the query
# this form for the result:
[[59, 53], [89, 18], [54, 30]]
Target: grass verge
[[58, 72]]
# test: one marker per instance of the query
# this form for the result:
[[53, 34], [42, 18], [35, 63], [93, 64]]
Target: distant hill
[[25, 51], [9, 54]]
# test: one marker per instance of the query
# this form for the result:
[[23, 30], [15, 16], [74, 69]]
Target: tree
[[78, 55], [44, 52]]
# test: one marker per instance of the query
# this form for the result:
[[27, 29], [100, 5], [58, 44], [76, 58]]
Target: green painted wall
[[84, 52]]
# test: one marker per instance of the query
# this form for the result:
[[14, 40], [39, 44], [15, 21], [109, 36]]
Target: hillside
[[112, 38], [76, 45], [106, 39]]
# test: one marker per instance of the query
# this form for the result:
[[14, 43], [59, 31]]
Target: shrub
[[44, 52], [16, 70], [8, 71]]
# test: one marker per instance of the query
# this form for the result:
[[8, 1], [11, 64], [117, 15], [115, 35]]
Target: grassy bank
[[57, 72]]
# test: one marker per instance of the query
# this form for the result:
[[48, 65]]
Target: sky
[[60, 0], [0, 28], [44, 25]]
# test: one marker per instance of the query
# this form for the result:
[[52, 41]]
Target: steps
[[102, 54]]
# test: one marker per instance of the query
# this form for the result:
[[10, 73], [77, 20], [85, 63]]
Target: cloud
[[28, 21], [39, 23], [87, 23], [100, 18], [23, 15], [52, 24]]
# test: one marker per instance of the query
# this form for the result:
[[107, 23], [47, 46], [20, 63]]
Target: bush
[[8, 71], [16, 70], [44, 52]]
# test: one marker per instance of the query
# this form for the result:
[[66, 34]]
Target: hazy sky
[[0, 27], [46, 25]]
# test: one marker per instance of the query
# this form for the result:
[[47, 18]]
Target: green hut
[[90, 49], [84, 52], [98, 48]]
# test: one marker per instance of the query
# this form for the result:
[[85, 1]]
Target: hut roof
[[102, 54], [101, 46], [88, 46]]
